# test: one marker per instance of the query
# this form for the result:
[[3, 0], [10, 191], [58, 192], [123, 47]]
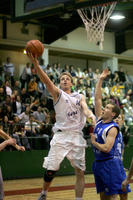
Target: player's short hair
[[116, 110], [68, 74]]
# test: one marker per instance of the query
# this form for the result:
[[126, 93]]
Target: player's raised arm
[[98, 94], [8, 138], [87, 112], [53, 90]]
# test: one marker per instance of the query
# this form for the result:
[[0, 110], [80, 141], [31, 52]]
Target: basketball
[[35, 47]]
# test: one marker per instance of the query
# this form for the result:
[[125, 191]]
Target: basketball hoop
[[95, 19]]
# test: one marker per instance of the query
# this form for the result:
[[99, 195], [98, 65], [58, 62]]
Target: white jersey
[[69, 114]]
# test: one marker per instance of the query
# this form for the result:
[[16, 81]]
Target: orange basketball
[[35, 47]]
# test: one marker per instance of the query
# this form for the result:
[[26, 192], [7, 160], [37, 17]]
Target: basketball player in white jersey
[[71, 112]]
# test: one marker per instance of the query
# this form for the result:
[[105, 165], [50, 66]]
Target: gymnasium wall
[[78, 40], [14, 45], [29, 164]]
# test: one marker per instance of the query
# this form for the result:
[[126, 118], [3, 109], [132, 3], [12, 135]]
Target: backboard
[[33, 9]]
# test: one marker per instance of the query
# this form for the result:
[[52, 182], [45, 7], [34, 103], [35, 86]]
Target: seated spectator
[[79, 73], [39, 115], [17, 105], [24, 116], [33, 72], [17, 87], [32, 128], [32, 87], [26, 76], [25, 97], [42, 64], [7, 88], [121, 75], [9, 71], [2, 95], [72, 71], [91, 77], [19, 134], [116, 78], [96, 75], [66, 68], [6, 125]]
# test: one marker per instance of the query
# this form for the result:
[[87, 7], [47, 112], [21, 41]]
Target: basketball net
[[95, 19]]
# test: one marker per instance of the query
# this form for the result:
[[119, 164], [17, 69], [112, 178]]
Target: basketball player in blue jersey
[[71, 112], [107, 145]]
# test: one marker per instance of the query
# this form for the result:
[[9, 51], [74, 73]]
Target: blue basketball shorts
[[109, 175]]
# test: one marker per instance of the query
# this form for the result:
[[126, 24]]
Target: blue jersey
[[101, 132]]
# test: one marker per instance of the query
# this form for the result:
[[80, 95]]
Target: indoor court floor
[[62, 188]]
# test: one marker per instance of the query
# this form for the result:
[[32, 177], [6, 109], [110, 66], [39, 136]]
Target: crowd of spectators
[[26, 107]]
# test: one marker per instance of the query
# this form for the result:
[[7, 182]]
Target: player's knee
[[49, 175]]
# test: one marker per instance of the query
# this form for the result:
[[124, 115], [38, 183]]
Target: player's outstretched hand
[[21, 148], [92, 120], [33, 59], [104, 74], [124, 185]]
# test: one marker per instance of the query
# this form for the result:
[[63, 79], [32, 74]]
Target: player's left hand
[[21, 148], [124, 185], [92, 120]]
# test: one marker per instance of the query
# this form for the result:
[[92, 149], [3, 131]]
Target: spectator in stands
[[128, 112], [116, 78], [32, 128], [72, 71], [66, 68], [19, 134], [42, 64], [9, 113], [79, 73], [91, 76], [6, 125], [129, 80], [41, 88], [17, 87], [96, 75], [121, 75], [33, 72], [2, 95], [7, 88], [26, 75], [6, 103], [17, 105], [24, 116], [39, 115], [49, 71], [58, 69], [9, 70], [25, 98], [32, 87]]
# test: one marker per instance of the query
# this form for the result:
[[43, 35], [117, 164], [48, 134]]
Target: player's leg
[[77, 158], [48, 177], [52, 164], [80, 183]]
